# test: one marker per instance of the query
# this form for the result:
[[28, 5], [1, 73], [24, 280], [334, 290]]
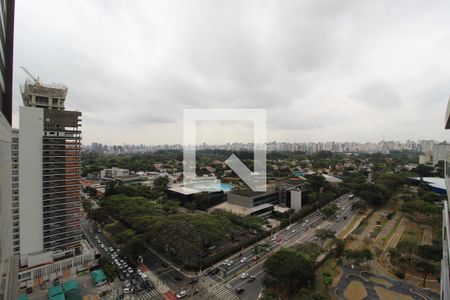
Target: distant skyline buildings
[[425, 146]]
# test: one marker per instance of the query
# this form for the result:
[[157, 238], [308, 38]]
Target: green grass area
[[376, 232], [357, 218], [413, 233], [327, 266], [388, 237]]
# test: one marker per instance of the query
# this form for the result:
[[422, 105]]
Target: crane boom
[[35, 79]]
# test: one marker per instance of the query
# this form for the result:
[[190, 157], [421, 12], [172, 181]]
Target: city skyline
[[324, 71]]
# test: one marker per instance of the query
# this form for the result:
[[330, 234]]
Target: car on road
[[251, 278], [111, 249], [293, 230], [178, 278], [255, 258], [225, 262], [278, 239], [274, 238], [230, 263], [244, 275], [244, 259], [213, 272], [288, 228], [239, 290], [181, 294]]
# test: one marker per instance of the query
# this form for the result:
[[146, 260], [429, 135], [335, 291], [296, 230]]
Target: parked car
[[214, 271], [127, 290], [181, 294]]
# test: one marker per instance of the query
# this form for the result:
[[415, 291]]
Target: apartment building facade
[[49, 173], [8, 265]]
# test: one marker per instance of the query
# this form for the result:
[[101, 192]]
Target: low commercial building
[[250, 199], [436, 184], [114, 173]]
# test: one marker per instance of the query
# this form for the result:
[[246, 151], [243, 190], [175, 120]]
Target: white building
[[114, 173], [440, 152]]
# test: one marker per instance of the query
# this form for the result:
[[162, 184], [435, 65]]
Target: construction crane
[[35, 79]]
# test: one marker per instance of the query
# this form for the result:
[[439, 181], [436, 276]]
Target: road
[[229, 278], [90, 231]]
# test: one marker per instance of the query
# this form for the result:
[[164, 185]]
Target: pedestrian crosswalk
[[146, 295], [217, 289]]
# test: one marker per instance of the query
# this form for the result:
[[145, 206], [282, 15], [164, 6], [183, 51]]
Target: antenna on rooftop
[[35, 79]]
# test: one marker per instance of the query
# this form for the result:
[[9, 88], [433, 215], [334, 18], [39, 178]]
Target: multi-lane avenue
[[228, 281]]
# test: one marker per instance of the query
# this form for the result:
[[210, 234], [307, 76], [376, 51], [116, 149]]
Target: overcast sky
[[325, 70]]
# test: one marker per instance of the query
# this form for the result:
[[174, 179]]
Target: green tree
[[160, 184], [108, 268], [426, 268], [324, 234], [87, 205], [340, 246], [429, 252], [329, 211], [289, 270], [407, 246], [327, 279]]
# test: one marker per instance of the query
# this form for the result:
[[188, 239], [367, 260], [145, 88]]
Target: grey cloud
[[142, 64]]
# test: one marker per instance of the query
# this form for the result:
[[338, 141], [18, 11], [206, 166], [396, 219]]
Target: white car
[[274, 238], [244, 275], [127, 290], [102, 246], [130, 270], [288, 228], [293, 231], [181, 294], [244, 259], [226, 262]]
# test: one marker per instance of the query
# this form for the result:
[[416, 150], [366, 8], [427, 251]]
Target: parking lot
[[133, 280]]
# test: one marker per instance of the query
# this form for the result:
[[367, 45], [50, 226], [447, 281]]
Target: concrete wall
[[240, 200], [296, 199], [30, 181]]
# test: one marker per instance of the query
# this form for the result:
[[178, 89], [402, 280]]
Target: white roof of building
[[435, 182], [184, 190], [332, 179]]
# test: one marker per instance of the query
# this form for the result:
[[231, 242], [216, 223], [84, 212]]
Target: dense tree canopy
[[289, 270]]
